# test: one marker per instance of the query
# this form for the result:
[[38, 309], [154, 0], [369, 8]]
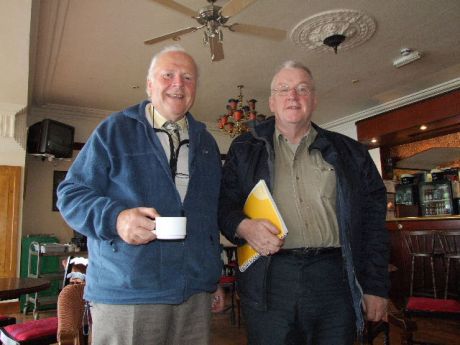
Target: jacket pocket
[[129, 266]]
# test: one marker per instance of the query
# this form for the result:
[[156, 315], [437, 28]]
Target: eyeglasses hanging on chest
[[172, 130]]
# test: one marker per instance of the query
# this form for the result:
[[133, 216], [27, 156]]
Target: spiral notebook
[[259, 204]]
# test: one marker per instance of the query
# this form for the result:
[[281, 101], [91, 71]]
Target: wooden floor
[[439, 332], [431, 331]]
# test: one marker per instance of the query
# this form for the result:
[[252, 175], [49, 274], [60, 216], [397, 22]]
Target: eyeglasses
[[301, 90]]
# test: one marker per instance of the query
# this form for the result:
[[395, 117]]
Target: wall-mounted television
[[51, 137]]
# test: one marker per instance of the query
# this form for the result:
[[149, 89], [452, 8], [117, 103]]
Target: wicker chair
[[71, 309]]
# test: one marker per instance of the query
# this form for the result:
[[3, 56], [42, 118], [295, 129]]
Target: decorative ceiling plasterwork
[[54, 29], [356, 26]]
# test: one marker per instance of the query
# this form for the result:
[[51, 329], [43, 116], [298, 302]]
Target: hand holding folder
[[259, 205]]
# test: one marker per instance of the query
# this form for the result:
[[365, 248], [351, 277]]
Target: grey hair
[[291, 64], [167, 49]]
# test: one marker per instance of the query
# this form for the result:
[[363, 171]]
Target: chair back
[[450, 243], [420, 242], [75, 270], [71, 308]]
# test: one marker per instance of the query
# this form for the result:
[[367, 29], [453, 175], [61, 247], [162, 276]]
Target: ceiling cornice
[[397, 103], [73, 111], [61, 110]]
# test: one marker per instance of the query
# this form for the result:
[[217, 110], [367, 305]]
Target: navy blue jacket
[[361, 209], [122, 166]]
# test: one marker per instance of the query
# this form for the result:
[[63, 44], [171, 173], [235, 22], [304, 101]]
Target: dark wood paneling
[[441, 114]]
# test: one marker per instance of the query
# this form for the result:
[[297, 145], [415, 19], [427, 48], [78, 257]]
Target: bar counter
[[425, 218]]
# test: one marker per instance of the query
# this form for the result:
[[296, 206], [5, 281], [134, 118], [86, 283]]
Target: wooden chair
[[34, 332], [6, 320], [428, 307], [65, 329], [421, 245]]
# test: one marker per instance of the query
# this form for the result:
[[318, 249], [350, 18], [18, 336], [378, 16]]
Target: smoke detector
[[407, 56]]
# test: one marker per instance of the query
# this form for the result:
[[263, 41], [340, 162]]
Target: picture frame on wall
[[58, 177]]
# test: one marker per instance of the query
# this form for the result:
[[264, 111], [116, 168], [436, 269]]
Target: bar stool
[[450, 243], [228, 281], [421, 245]]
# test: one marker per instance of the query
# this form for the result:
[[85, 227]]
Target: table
[[11, 288]]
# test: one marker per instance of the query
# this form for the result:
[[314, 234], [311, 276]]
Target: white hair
[[167, 49], [292, 65]]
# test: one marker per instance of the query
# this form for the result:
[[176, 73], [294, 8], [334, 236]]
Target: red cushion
[[34, 329], [227, 279], [433, 305]]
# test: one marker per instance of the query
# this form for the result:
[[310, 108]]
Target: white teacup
[[170, 228]]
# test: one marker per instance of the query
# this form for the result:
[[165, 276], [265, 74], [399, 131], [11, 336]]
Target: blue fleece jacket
[[122, 166]]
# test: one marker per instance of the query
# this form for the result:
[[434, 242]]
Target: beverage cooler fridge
[[407, 200], [407, 194], [436, 198]]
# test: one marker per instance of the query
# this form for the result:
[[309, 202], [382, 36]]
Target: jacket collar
[[266, 129], [137, 112]]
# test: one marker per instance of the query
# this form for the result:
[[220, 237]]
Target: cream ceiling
[[90, 53]]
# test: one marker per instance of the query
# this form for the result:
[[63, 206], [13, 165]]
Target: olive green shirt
[[305, 193]]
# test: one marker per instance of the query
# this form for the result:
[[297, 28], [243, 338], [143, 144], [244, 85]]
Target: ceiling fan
[[212, 19]]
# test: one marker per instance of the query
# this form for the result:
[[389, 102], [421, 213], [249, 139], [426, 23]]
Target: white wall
[[349, 129], [14, 57], [223, 140], [11, 153], [39, 218], [14, 70]]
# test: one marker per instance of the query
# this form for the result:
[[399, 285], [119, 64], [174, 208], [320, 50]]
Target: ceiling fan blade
[[177, 7], [171, 35], [235, 6], [217, 49], [261, 31]]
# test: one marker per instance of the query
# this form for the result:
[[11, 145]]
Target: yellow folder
[[259, 205]]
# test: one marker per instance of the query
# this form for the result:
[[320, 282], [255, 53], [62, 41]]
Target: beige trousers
[[153, 324]]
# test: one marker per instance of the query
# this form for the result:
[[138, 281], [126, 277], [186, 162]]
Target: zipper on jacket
[[113, 245]]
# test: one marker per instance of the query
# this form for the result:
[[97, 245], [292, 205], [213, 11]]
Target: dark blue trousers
[[309, 303]]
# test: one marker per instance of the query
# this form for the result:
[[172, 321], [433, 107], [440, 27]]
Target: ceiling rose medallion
[[315, 32]]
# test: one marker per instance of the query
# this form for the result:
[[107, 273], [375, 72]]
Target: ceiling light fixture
[[340, 29], [373, 141], [239, 118], [334, 41], [423, 127]]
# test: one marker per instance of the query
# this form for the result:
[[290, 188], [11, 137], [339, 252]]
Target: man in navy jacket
[[144, 290], [312, 286]]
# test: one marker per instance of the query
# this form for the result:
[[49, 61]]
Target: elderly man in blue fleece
[[143, 290]]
